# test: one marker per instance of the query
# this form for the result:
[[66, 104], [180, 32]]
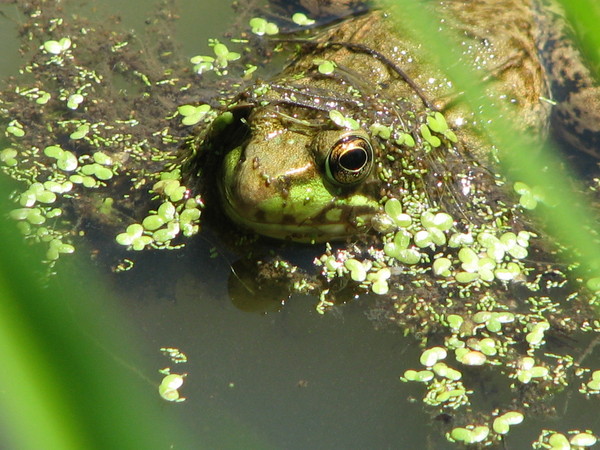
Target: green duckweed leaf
[[302, 20]]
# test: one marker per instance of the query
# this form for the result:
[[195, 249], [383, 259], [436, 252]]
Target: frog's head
[[299, 179]]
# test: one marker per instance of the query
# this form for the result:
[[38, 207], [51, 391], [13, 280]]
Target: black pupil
[[353, 159]]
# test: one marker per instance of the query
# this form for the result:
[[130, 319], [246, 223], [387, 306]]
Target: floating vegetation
[[169, 386], [302, 20], [98, 152], [325, 67], [260, 27]]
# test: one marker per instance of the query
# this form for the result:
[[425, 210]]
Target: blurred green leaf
[[585, 17], [68, 377]]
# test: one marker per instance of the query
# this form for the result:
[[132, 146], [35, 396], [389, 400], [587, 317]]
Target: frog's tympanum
[[361, 144]]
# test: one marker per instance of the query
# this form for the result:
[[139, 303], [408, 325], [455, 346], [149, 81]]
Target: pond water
[[291, 378], [288, 379]]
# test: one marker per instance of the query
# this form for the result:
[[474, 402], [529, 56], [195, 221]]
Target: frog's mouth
[[336, 221], [304, 233]]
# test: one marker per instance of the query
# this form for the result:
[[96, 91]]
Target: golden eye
[[350, 160]]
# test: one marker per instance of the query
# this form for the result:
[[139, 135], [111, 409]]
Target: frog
[[292, 171]]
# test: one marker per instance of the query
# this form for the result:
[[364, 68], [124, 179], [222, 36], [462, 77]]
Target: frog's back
[[523, 49], [576, 115], [498, 40]]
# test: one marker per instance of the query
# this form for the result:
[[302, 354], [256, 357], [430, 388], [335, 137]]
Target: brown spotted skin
[[576, 116], [339, 8], [526, 51], [504, 34], [502, 52]]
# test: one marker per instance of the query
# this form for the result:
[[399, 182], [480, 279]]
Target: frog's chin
[[302, 233], [308, 234], [308, 231]]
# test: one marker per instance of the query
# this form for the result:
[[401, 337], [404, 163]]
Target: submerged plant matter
[[445, 250]]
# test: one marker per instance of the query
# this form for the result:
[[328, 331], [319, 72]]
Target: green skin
[[275, 179]]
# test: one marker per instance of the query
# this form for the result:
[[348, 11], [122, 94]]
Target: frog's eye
[[350, 160]]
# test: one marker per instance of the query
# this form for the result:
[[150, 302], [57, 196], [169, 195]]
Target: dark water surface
[[290, 379]]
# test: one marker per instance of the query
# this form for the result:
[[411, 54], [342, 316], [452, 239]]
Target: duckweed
[[325, 67], [405, 139], [441, 267], [36, 193], [593, 385], [260, 26], [422, 376], [442, 370], [80, 132], [43, 98], [32, 215], [558, 441], [487, 346], [65, 160], [177, 215], [535, 337], [8, 157], [455, 321], [74, 101], [409, 256], [57, 247], [381, 131], [470, 435], [343, 121], [202, 63], [438, 221], [527, 371], [302, 20], [393, 209], [174, 354], [502, 424], [583, 440], [433, 355], [171, 188], [434, 141], [470, 357], [168, 388], [223, 54], [529, 197], [57, 47], [133, 237], [437, 123], [97, 170], [193, 114], [218, 63], [153, 222], [15, 128]]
